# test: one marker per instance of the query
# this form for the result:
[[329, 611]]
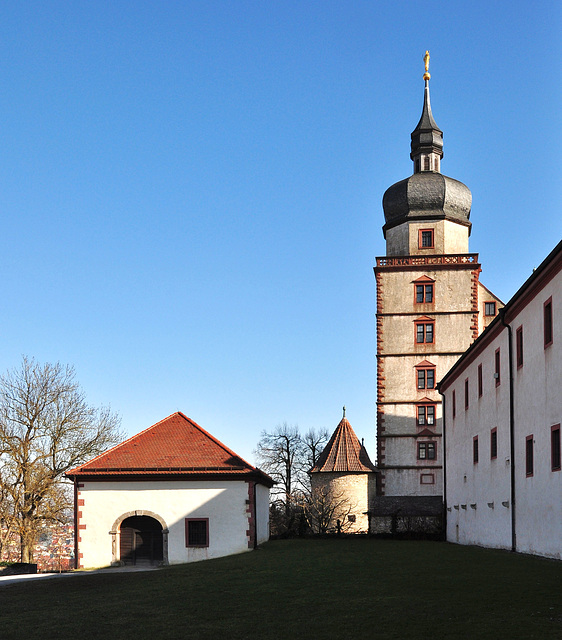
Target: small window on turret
[[425, 239], [426, 163]]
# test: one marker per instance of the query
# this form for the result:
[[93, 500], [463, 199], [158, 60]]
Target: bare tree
[[314, 442], [326, 510], [279, 453], [46, 428]]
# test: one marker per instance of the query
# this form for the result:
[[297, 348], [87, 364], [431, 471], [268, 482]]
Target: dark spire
[[427, 137]]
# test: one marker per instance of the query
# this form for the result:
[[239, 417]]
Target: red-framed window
[[529, 456], [424, 290], [497, 367], [475, 450], [466, 401], [547, 312], [494, 443], [519, 346], [555, 447], [490, 308], [427, 478], [480, 385], [197, 532], [424, 330], [427, 451], [425, 415], [425, 375], [426, 239], [454, 403]]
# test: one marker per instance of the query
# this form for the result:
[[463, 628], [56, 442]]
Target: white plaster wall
[[455, 237], [398, 240], [406, 482], [488, 481], [538, 406], [262, 513], [449, 237], [224, 503]]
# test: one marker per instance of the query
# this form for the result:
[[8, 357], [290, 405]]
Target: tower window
[[489, 308], [426, 415], [427, 451], [426, 163], [497, 371], [466, 394], [424, 293], [424, 331], [425, 239], [426, 378], [475, 450]]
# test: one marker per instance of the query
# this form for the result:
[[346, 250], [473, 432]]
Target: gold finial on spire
[[344, 410], [426, 75]]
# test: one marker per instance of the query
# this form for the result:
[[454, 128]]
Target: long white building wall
[[480, 503], [223, 503]]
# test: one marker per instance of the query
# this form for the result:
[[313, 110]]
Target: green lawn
[[340, 588]]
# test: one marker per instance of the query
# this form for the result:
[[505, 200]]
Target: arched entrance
[[139, 537], [141, 541]]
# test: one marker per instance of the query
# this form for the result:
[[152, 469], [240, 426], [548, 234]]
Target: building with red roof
[[342, 480], [170, 494]]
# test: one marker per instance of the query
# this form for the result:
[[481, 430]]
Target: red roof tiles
[[173, 446], [344, 452]]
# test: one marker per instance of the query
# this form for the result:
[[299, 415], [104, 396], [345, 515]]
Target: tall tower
[[430, 308]]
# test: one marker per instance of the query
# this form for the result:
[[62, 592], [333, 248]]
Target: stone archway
[[115, 534]]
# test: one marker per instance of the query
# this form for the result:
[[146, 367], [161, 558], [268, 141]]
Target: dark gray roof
[[406, 505], [427, 195], [427, 136]]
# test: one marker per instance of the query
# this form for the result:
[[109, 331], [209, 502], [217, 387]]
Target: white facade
[[226, 504], [503, 477]]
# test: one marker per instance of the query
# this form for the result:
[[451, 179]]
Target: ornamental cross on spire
[[426, 75]]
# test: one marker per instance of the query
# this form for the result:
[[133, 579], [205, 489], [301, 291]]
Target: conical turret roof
[[344, 452]]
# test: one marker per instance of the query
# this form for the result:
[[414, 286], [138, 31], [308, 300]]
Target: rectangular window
[[475, 449], [497, 372], [427, 478], [454, 402], [424, 293], [197, 532], [424, 332], [529, 462], [426, 414], [555, 447], [519, 347], [479, 380], [548, 323], [494, 443], [427, 451], [489, 308], [466, 394], [425, 239], [426, 378]]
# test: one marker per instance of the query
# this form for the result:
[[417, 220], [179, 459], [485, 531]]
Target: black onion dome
[[428, 195]]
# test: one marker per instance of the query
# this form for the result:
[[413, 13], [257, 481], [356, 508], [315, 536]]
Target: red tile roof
[[344, 452], [173, 446]]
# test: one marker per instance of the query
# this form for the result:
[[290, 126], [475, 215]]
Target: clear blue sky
[[190, 192]]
